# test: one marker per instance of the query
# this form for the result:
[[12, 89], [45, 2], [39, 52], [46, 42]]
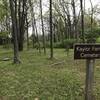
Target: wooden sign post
[[90, 52], [89, 79]]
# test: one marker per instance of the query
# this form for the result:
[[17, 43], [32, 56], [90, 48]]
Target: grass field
[[39, 78]]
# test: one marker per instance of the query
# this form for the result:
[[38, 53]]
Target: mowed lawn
[[39, 78]]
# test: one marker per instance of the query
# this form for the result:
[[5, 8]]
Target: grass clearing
[[39, 77]]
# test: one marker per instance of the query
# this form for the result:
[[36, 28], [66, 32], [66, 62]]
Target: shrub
[[68, 43], [58, 45], [91, 36], [98, 40]]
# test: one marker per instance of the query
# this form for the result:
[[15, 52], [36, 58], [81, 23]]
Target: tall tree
[[21, 27], [34, 26], [32, 20], [42, 22], [91, 15], [51, 33], [14, 29], [27, 26], [82, 20], [74, 20], [66, 11]]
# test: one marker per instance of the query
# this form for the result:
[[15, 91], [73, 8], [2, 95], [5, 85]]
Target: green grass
[[39, 77]]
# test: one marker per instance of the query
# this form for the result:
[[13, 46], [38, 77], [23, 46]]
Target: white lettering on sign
[[87, 51], [83, 49], [95, 48], [89, 55]]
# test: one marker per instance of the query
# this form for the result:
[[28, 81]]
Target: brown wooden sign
[[87, 51]]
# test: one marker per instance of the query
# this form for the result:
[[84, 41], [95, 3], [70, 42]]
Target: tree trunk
[[44, 42], [91, 15], [82, 20], [67, 12], [14, 30], [34, 24], [51, 33], [74, 20], [27, 32], [21, 24]]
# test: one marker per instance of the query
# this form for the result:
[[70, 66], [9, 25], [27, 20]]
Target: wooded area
[[63, 24], [47, 28]]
